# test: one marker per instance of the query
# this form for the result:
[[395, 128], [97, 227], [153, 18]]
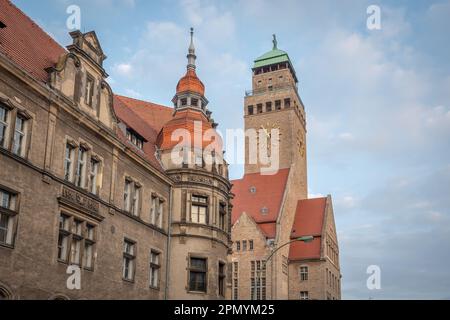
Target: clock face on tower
[[301, 143]]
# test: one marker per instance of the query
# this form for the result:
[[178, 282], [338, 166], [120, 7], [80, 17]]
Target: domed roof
[[186, 124], [190, 82]]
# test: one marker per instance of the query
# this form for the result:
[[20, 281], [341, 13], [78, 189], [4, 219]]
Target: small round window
[[264, 210], [253, 189]]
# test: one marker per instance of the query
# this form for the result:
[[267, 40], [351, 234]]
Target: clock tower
[[274, 103]]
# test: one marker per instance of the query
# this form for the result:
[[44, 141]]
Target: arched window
[[59, 297], [4, 294]]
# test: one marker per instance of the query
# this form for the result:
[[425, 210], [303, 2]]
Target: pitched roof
[[142, 117], [260, 196], [308, 221], [25, 43], [271, 57], [155, 115]]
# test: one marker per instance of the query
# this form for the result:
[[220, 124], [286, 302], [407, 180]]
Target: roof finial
[[191, 54], [274, 41]]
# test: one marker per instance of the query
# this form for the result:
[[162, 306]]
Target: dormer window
[[135, 138], [89, 90]]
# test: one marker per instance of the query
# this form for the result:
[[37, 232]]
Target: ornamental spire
[[274, 41], [191, 55]]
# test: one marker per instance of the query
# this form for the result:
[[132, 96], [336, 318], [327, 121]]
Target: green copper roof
[[271, 57]]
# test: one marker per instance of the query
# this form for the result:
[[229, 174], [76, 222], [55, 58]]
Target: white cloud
[[123, 69]]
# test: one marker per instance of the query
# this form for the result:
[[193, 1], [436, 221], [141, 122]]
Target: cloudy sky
[[377, 101]]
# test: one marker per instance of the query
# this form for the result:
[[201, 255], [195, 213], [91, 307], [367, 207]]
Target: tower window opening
[[278, 105], [287, 103], [250, 110], [184, 102], [259, 108], [268, 106], [194, 102]]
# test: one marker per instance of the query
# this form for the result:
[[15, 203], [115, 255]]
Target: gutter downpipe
[[166, 290]]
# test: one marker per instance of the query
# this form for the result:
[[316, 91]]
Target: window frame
[[131, 257], [155, 267], [221, 276], [192, 269], [76, 234], [69, 159], [196, 203], [10, 214], [304, 295], [6, 125], [304, 275], [89, 89], [81, 167]]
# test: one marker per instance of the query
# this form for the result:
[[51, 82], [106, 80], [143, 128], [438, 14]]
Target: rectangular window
[[287, 103], [259, 108], [7, 217], [129, 257], [258, 280], [199, 209], [222, 216], [126, 195], [89, 242], [132, 197], [221, 283], [93, 176], [19, 136], [238, 245], [303, 273], [63, 238], [154, 269], [4, 122], [250, 110], [157, 211], [235, 280], [68, 161], [89, 92], [77, 239], [268, 106], [81, 168], [304, 295], [135, 200], [135, 138], [250, 244], [244, 245], [278, 105], [197, 274], [76, 242]]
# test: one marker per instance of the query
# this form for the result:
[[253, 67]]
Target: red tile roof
[[308, 221], [138, 115], [190, 82], [155, 115], [196, 129], [269, 191], [25, 43]]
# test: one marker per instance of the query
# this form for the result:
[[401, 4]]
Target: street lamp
[[305, 239]]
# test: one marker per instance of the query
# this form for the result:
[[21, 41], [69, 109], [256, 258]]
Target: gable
[[260, 196]]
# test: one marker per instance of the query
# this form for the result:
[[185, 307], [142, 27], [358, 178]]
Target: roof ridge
[[144, 101], [33, 23]]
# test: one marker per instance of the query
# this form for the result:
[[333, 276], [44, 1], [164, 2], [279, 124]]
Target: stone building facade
[[271, 209], [87, 179]]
